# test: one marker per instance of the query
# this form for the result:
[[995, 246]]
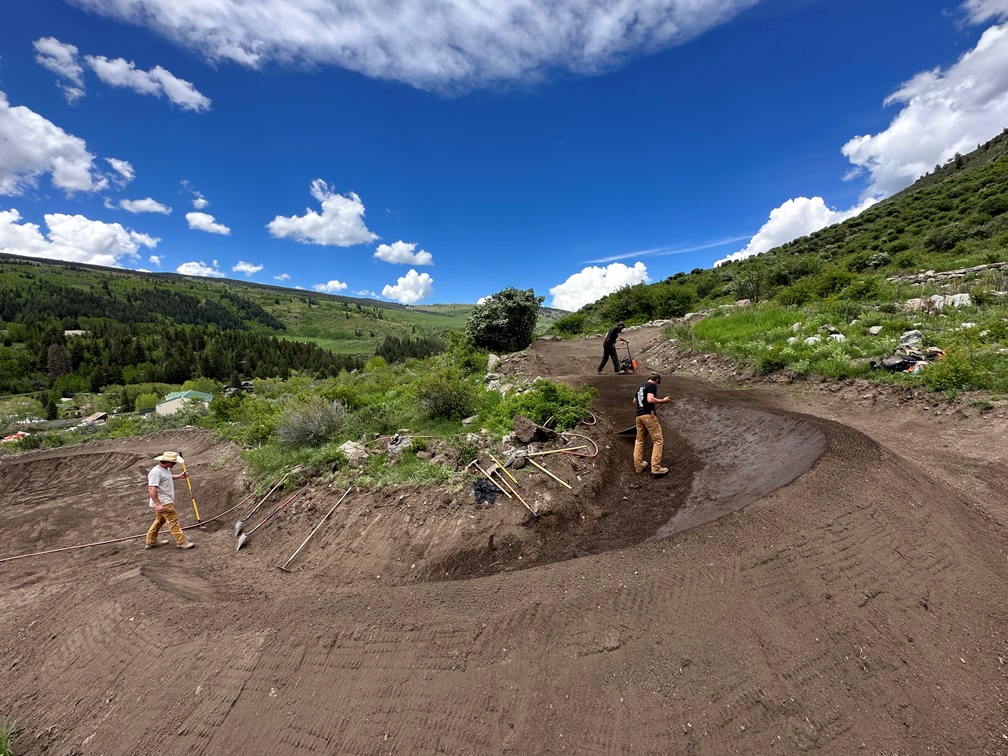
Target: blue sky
[[426, 151]]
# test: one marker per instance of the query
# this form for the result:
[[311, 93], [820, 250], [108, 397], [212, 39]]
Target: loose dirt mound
[[824, 570]]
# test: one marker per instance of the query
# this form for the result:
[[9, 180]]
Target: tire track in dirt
[[826, 613]]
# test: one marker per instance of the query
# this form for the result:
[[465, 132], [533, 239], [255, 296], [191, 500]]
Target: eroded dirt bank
[[803, 581]]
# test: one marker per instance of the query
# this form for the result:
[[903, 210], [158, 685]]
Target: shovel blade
[[631, 431], [238, 528], [241, 542]]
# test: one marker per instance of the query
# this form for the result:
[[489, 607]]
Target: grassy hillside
[[851, 278], [955, 217]]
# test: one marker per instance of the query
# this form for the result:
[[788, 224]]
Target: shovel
[[245, 536], [241, 523]]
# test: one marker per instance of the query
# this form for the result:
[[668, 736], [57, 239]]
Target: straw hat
[[169, 456]]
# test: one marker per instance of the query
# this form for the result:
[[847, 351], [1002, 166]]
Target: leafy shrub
[[560, 404], [505, 321], [768, 362], [443, 393], [145, 401], [310, 421], [374, 419], [462, 352], [570, 325], [953, 374]]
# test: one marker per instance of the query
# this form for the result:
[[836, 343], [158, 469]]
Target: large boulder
[[529, 432]]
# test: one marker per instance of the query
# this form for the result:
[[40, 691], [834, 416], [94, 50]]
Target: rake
[[245, 536]]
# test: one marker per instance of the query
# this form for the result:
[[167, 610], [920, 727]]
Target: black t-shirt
[[614, 332], [644, 407]]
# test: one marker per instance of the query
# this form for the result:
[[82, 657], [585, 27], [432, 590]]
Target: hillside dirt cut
[[824, 570]]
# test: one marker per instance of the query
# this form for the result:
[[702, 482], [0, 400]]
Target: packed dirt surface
[[825, 570]]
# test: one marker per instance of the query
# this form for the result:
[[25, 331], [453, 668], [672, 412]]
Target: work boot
[[190, 544], [659, 472], [640, 469], [155, 544]]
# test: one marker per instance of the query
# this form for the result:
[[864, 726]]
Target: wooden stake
[[562, 483]]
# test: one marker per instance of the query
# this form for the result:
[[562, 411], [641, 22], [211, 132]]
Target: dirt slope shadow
[[838, 614]]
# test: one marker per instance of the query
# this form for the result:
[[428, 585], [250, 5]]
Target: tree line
[[38, 356]]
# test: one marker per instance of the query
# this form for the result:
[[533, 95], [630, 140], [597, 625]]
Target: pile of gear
[[908, 359]]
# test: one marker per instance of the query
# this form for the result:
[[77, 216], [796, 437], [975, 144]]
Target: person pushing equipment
[[609, 348]]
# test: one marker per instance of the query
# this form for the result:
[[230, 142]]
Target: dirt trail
[[824, 571]]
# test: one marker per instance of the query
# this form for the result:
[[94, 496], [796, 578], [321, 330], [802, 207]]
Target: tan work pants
[[647, 425], [167, 514]]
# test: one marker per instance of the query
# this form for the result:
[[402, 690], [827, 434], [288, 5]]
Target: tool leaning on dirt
[[298, 550], [241, 523], [243, 538]]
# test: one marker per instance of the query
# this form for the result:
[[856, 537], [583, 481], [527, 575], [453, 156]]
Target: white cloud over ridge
[[145, 205], [429, 44], [72, 238], [943, 112], [409, 289], [340, 224], [246, 267], [595, 282], [199, 269], [33, 147], [330, 287], [403, 252], [795, 218], [206, 222]]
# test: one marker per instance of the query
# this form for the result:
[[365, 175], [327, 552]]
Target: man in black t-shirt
[[609, 347], [648, 425]]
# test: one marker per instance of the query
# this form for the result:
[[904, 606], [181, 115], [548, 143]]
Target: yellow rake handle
[[191, 495]]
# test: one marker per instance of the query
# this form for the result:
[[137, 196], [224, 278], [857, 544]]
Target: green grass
[[6, 730], [974, 339]]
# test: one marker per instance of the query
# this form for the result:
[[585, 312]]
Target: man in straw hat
[[161, 487]]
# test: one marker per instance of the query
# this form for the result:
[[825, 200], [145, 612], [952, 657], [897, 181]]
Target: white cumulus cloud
[[403, 252], [282, 277], [944, 112], [595, 282], [409, 289], [62, 60], [330, 287], [246, 267], [33, 147], [199, 269], [429, 44], [145, 205], [118, 72], [155, 259], [340, 224], [206, 222], [73, 238], [795, 218]]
